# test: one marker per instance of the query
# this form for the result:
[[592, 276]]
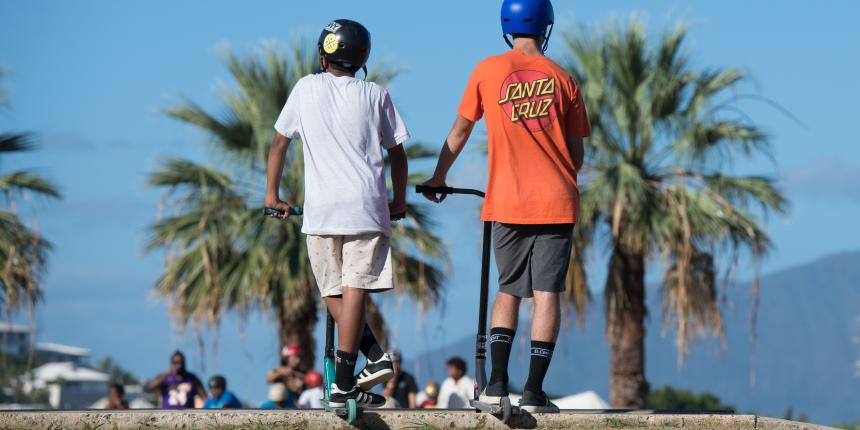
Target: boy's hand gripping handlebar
[[424, 189], [273, 211]]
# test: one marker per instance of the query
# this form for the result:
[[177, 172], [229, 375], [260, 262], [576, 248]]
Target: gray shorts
[[532, 257]]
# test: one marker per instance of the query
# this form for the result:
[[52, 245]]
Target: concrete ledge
[[382, 419]]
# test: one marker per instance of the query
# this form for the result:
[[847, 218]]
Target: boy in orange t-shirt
[[536, 121]]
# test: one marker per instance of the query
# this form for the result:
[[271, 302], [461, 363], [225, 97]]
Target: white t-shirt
[[311, 398], [344, 124], [456, 394]]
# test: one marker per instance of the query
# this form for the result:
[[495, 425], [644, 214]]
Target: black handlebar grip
[[398, 216], [424, 189]]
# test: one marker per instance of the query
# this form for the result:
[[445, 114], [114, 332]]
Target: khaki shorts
[[354, 261]]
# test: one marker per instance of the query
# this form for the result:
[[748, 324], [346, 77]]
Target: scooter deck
[[341, 411]]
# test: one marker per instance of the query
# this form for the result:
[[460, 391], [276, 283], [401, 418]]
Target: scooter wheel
[[351, 411], [506, 409]]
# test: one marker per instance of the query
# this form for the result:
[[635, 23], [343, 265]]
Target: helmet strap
[[546, 38], [364, 69], [508, 41]]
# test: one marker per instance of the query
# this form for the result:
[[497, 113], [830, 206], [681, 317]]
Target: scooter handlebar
[[294, 211], [424, 189]]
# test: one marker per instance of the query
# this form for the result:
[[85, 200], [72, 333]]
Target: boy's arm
[[454, 144], [399, 175], [274, 169], [577, 151]]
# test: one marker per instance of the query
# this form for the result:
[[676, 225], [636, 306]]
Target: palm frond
[[658, 172], [221, 255], [12, 142], [23, 181]]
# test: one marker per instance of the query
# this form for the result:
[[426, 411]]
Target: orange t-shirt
[[531, 105]]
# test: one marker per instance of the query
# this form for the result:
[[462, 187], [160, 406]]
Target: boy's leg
[[349, 325], [347, 308], [512, 245], [503, 327], [366, 268], [545, 324], [551, 258], [368, 345], [369, 265]]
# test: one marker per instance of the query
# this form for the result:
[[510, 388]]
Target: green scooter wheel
[[351, 412]]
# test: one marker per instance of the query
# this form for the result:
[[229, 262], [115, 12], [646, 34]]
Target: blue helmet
[[532, 17]]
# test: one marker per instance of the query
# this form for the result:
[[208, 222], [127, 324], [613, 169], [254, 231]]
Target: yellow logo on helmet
[[330, 43]]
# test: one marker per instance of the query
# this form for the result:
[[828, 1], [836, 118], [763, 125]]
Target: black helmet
[[345, 44], [218, 381]]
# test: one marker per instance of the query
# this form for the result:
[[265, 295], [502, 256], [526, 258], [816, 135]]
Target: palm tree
[[221, 254], [659, 186], [23, 252]]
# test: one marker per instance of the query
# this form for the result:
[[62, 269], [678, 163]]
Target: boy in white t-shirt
[[344, 124]]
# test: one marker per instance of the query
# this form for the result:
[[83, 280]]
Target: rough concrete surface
[[386, 419]]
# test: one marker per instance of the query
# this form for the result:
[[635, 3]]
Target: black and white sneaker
[[362, 398], [375, 372], [537, 403]]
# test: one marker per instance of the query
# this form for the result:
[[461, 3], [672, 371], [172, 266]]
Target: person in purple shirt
[[177, 387]]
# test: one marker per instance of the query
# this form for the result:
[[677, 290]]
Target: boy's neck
[[339, 73], [527, 46]]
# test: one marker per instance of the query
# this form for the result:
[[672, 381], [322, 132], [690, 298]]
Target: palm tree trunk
[[297, 317], [626, 328]]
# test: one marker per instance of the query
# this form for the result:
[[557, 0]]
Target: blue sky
[[90, 78]]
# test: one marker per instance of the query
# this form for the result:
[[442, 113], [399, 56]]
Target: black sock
[[501, 340], [369, 346], [541, 353], [344, 370]]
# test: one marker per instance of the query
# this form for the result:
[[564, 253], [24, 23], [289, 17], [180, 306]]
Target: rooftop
[[62, 349], [7, 327], [69, 372]]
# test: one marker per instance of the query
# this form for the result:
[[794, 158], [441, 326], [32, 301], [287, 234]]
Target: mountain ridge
[[803, 356]]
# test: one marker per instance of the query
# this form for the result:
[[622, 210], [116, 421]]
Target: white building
[[58, 353], [15, 339], [70, 386]]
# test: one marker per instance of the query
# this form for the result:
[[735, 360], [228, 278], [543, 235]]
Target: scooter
[[505, 410], [351, 412]]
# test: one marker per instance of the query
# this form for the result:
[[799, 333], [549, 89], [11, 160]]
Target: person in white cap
[[279, 398], [290, 371]]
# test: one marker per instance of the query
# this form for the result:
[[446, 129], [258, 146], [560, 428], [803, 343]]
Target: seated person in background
[[279, 398], [457, 389], [312, 396], [402, 387], [178, 388], [116, 392], [221, 398], [290, 372], [427, 398]]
